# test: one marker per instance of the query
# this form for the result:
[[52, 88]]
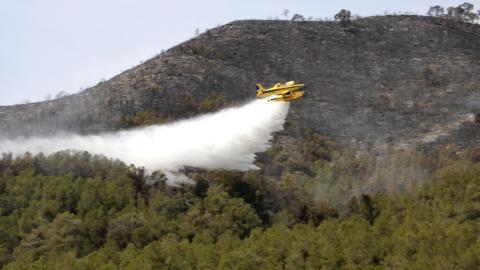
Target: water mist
[[227, 139]]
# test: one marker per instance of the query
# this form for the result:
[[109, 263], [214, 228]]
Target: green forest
[[311, 206]]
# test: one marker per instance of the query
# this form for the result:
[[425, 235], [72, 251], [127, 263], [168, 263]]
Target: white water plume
[[227, 139]]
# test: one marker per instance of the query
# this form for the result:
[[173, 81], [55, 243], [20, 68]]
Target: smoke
[[227, 139]]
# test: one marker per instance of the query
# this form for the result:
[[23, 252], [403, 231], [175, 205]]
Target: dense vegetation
[[334, 210]]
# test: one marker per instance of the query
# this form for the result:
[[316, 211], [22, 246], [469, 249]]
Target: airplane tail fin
[[259, 88]]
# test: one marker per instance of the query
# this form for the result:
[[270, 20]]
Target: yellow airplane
[[278, 89], [286, 91]]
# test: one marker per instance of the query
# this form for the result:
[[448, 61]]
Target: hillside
[[408, 76]]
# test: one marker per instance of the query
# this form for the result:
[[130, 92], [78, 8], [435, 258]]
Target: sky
[[51, 46]]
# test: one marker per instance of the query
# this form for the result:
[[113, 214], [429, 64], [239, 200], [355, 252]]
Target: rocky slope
[[408, 76]]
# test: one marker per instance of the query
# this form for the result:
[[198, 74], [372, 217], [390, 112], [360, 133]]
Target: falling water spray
[[227, 139]]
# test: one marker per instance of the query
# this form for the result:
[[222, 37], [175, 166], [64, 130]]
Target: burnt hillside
[[408, 76]]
